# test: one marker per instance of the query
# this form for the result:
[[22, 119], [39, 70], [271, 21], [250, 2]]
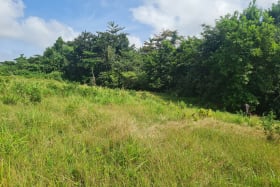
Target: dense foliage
[[237, 61]]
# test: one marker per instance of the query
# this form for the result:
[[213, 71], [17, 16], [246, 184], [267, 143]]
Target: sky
[[29, 26]]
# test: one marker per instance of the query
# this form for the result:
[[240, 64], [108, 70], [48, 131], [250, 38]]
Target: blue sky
[[90, 15], [29, 26]]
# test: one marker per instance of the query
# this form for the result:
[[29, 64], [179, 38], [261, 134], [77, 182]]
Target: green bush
[[22, 92], [56, 75], [269, 126], [202, 113], [35, 95], [108, 79]]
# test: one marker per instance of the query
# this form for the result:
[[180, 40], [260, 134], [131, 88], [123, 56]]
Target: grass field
[[59, 134]]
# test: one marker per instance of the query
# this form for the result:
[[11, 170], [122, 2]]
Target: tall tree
[[159, 59]]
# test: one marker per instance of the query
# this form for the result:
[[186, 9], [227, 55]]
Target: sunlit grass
[[83, 136]]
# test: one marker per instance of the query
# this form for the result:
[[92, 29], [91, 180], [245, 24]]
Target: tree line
[[234, 62]]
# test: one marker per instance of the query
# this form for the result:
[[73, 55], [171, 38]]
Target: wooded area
[[234, 62]]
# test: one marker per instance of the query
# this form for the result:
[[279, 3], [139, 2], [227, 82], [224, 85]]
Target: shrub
[[56, 75], [108, 79], [35, 95], [269, 126], [27, 92], [202, 113]]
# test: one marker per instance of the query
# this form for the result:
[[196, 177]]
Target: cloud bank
[[33, 30], [134, 40], [187, 16]]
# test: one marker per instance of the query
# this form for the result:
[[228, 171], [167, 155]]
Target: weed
[[269, 126], [202, 114], [35, 94], [10, 99], [78, 177]]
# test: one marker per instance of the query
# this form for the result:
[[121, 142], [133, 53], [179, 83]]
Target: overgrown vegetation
[[58, 127], [271, 128], [76, 135], [234, 62]]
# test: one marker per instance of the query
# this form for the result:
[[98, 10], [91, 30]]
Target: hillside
[[64, 134], [229, 64]]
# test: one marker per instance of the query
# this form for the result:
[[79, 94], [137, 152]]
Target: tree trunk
[[93, 81]]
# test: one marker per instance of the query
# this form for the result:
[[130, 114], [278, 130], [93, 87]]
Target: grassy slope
[[87, 136]]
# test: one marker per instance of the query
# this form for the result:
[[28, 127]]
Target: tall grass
[[89, 136]]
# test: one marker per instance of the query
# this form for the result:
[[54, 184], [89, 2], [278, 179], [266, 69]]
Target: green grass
[[58, 134]]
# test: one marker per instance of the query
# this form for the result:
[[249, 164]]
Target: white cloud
[[8, 8], [44, 33], [134, 40], [10, 11], [266, 3], [33, 30], [186, 16]]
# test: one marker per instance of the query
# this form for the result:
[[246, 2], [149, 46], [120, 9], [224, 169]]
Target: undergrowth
[[60, 134]]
